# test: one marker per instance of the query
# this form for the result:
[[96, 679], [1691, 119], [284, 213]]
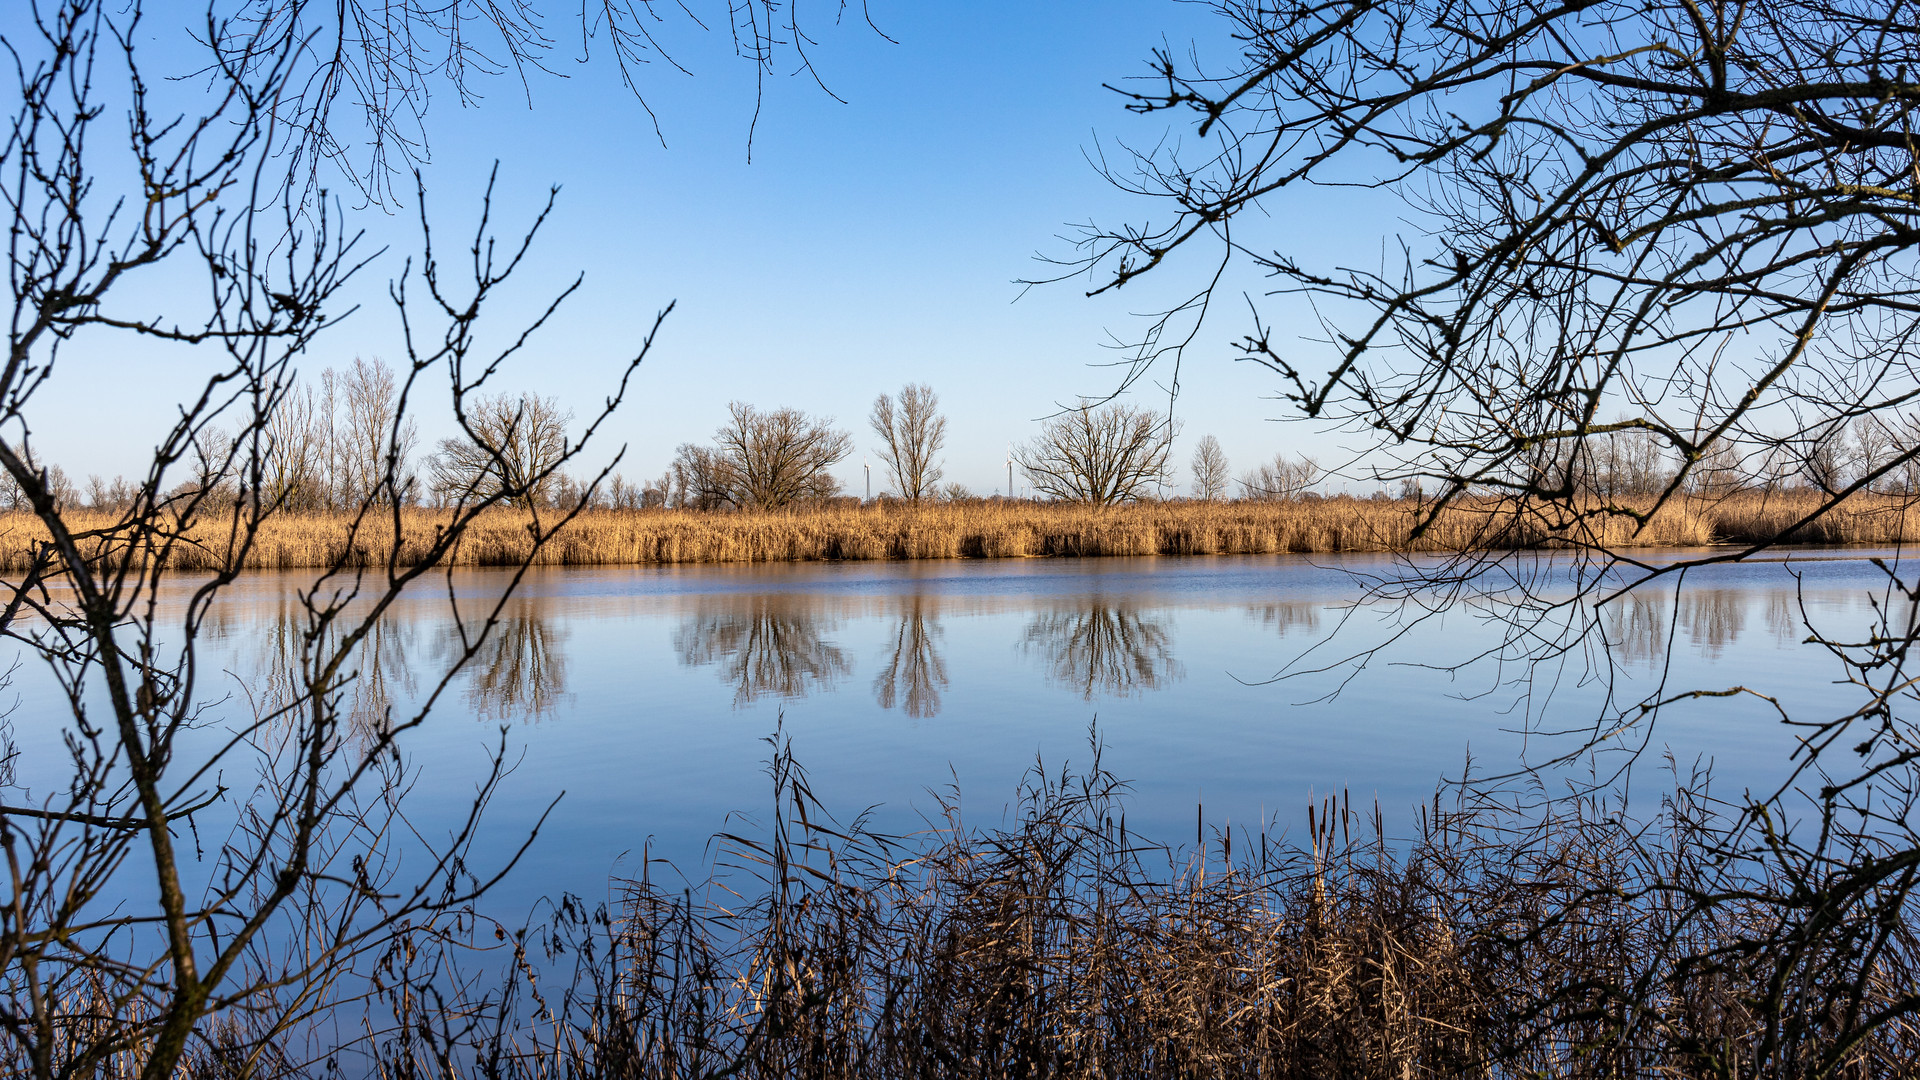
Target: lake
[[646, 694]]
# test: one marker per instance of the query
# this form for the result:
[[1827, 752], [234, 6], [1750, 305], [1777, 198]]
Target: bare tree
[[1905, 433], [1282, 478], [1873, 446], [1719, 472], [700, 477], [1697, 219], [112, 497], [911, 436], [1824, 455], [777, 458], [510, 444], [376, 442], [1098, 454], [1508, 330], [297, 451], [1209, 469], [1624, 462], [361, 76], [134, 940]]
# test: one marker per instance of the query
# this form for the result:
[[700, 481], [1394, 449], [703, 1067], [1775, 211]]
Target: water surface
[[646, 694]]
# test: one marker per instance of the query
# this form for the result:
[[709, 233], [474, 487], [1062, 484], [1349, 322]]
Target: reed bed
[[1502, 940], [991, 529], [1573, 943]]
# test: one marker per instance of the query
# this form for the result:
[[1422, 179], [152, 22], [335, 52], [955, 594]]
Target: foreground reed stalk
[[1498, 941], [984, 529]]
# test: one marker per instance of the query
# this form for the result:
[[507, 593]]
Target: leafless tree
[[361, 76], [1873, 444], [1824, 455], [1904, 431], [199, 871], [1285, 477], [1719, 471], [619, 493], [510, 443], [1209, 469], [911, 436], [1099, 454], [374, 442], [1508, 329], [111, 496], [700, 478], [1627, 462], [1690, 220], [777, 458], [298, 451]]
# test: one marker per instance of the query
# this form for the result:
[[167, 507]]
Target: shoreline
[[991, 529]]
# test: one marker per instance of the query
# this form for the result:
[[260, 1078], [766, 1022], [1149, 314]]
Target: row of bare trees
[[342, 442], [333, 444], [771, 458], [1870, 454], [1285, 477], [325, 446]]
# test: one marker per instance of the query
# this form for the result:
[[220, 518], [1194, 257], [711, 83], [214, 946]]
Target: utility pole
[[868, 469], [1009, 471]]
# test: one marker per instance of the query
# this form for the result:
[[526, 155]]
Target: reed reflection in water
[[768, 645], [1103, 647], [915, 672]]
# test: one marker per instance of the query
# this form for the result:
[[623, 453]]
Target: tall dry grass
[[1495, 943], [1576, 942], [982, 529]]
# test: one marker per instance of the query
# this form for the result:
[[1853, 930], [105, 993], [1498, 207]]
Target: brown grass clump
[[984, 529]]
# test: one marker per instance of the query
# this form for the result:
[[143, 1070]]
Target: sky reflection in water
[[644, 693]]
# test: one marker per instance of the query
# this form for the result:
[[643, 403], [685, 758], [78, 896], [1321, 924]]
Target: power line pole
[[868, 469], [1009, 471]]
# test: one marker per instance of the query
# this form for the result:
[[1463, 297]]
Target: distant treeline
[[325, 449], [1000, 528]]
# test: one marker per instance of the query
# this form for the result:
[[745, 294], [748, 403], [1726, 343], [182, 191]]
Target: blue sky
[[865, 245]]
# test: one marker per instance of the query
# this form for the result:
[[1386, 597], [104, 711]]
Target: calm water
[[644, 694]]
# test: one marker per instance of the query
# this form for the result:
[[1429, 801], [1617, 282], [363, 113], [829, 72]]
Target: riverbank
[[993, 529]]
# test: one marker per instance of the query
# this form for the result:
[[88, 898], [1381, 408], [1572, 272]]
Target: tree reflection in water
[[1286, 616], [521, 671], [1714, 618], [1784, 617], [1637, 627], [268, 646], [519, 674], [763, 645], [917, 672], [1103, 647]]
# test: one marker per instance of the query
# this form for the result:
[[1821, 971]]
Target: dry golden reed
[[984, 529]]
